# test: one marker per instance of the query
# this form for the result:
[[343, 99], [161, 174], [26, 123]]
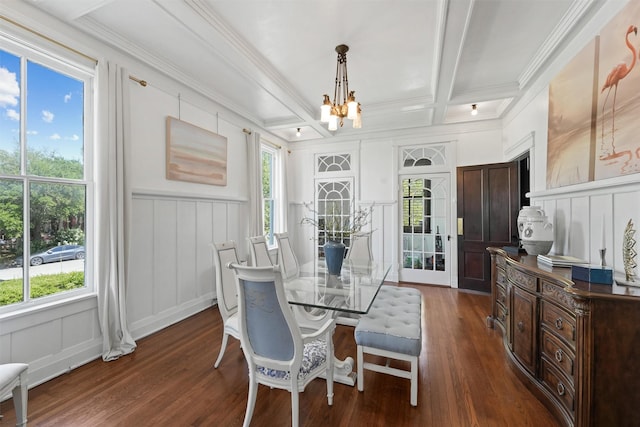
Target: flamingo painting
[[618, 73]]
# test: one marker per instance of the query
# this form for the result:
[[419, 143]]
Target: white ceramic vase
[[535, 230], [529, 214]]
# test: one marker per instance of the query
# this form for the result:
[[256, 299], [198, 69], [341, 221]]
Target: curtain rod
[[278, 146], [142, 83], [49, 39]]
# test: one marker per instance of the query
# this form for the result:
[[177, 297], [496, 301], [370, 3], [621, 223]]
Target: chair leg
[[329, 375], [295, 405], [20, 400], [225, 338], [360, 374], [251, 399]]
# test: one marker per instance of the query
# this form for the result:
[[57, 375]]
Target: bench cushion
[[393, 322]]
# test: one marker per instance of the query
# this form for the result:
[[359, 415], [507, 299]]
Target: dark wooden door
[[488, 205]]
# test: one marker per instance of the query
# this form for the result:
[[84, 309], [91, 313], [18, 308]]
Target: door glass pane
[[423, 223]]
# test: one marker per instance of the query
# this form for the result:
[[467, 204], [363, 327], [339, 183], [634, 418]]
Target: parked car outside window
[[56, 253]]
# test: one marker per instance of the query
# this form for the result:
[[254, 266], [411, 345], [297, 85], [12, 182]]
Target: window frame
[[276, 192], [73, 65]]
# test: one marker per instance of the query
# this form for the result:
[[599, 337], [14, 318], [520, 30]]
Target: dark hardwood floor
[[465, 380]]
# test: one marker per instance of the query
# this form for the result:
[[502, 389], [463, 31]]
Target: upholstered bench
[[392, 329]]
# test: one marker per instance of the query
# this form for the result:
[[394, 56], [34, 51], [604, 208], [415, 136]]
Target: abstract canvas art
[[594, 103], [195, 154]]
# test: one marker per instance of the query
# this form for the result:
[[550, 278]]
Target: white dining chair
[[223, 254], [279, 355], [259, 252], [290, 270], [287, 259], [13, 378], [360, 247]]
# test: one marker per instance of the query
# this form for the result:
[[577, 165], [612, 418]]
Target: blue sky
[[54, 109]]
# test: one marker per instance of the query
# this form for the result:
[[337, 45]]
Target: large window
[[44, 175], [270, 192]]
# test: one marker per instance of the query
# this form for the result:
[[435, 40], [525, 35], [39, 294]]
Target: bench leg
[[414, 381], [20, 400], [360, 375]]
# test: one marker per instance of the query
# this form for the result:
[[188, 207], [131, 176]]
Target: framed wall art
[[195, 154], [594, 103]]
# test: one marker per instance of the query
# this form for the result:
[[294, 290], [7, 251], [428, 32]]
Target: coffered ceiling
[[412, 63]]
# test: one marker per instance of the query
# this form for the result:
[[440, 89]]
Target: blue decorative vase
[[334, 255]]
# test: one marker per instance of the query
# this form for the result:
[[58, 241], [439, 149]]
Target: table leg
[[343, 371]]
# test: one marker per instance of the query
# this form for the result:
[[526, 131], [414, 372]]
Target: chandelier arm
[[345, 91], [337, 82]]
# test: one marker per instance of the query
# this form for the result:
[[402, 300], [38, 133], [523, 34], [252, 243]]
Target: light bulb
[[298, 133], [352, 105], [333, 122], [474, 110], [357, 122], [325, 109]]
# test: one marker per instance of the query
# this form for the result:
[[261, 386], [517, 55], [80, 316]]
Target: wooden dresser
[[577, 343]]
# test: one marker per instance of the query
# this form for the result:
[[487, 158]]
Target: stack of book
[[560, 260]]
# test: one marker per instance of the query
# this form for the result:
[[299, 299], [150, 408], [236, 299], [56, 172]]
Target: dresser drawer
[[555, 292], [559, 355], [522, 280], [560, 322], [558, 386]]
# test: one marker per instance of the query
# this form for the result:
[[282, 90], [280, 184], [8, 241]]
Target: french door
[[425, 228]]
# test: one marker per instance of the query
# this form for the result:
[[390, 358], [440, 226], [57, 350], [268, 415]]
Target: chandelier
[[344, 101]]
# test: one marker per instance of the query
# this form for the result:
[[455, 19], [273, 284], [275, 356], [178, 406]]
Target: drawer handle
[[559, 323], [559, 355], [560, 389], [521, 326]]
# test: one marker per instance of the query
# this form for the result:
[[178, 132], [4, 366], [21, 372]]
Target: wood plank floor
[[465, 380]]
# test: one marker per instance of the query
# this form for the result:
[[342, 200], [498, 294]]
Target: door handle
[[460, 227]]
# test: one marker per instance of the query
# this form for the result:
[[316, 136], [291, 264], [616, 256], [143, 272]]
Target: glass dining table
[[317, 294]]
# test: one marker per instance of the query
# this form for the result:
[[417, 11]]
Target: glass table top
[[352, 291]]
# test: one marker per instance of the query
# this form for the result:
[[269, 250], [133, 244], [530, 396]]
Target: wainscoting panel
[[187, 248], [171, 272], [580, 213], [140, 282], [203, 237]]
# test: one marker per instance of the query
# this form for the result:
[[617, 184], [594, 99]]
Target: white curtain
[[254, 166], [113, 197]]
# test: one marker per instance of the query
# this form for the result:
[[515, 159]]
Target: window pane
[[267, 174], [11, 238], [55, 122], [10, 114], [57, 238]]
